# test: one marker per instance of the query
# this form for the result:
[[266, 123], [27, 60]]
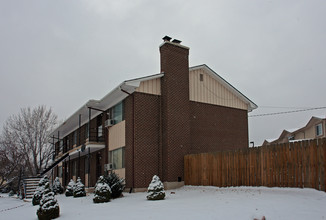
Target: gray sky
[[62, 53]]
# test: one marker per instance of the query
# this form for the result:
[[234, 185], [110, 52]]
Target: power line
[[287, 112], [284, 107]]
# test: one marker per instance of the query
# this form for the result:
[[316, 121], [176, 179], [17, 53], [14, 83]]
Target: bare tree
[[27, 134], [10, 162]]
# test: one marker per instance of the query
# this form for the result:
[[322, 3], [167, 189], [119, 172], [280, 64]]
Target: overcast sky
[[62, 53]]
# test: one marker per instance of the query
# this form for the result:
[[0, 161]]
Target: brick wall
[[128, 114], [215, 128], [175, 109], [161, 130], [146, 137]]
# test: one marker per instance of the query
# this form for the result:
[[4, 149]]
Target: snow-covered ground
[[189, 202]]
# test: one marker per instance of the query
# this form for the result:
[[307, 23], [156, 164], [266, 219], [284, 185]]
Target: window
[[60, 171], [61, 145], [117, 158], [118, 113], [201, 77], [319, 129], [100, 131]]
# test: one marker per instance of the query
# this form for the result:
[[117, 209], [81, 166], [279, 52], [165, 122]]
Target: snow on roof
[[320, 116], [270, 140], [290, 130]]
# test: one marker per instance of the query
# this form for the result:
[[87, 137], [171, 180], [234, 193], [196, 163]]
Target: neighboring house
[[315, 128], [146, 126]]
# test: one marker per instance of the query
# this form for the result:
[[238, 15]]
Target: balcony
[[77, 139]]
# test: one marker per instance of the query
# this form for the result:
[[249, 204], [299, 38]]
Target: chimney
[[175, 107], [173, 52]]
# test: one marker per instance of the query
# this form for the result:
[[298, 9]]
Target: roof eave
[[115, 96]]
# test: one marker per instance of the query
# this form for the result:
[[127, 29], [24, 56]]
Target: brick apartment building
[[146, 126]]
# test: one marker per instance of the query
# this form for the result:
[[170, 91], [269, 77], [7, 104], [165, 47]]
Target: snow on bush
[[102, 191], [70, 188], [11, 193], [79, 189], [116, 184], [49, 207], [57, 187], [155, 189], [40, 190]]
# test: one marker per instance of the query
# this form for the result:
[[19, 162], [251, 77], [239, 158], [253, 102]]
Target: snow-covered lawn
[[189, 202]]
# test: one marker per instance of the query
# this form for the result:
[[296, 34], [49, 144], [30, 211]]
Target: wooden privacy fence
[[298, 164]]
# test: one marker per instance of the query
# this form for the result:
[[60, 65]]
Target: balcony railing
[[93, 137]]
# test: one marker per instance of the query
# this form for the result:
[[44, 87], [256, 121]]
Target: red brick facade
[[142, 115], [161, 130], [217, 128]]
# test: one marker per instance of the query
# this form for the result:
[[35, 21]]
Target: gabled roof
[[313, 120], [121, 92], [226, 84], [111, 99]]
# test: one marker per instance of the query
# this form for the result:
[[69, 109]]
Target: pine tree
[[116, 184], [79, 189], [155, 189], [70, 188], [57, 187], [49, 207], [40, 190], [102, 191]]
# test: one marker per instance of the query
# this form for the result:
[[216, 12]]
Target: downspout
[[89, 153], [89, 167], [53, 157], [133, 138], [79, 140]]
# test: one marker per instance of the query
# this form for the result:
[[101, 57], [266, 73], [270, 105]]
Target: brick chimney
[[175, 108]]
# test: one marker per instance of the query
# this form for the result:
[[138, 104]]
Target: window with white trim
[[319, 129], [117, 158]]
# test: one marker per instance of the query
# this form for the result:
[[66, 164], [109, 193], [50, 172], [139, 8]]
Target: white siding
[[152, 86], [211, 91]]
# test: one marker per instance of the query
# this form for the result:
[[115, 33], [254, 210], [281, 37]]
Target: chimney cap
[[176, 41], [166, 38]]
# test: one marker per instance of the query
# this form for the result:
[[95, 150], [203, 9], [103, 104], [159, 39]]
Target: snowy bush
[[49, 207], [11, 193], [102, 191], [57, 187], [155, 189], [70, 188], [116, 184], [44, 182], [79, 189]]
